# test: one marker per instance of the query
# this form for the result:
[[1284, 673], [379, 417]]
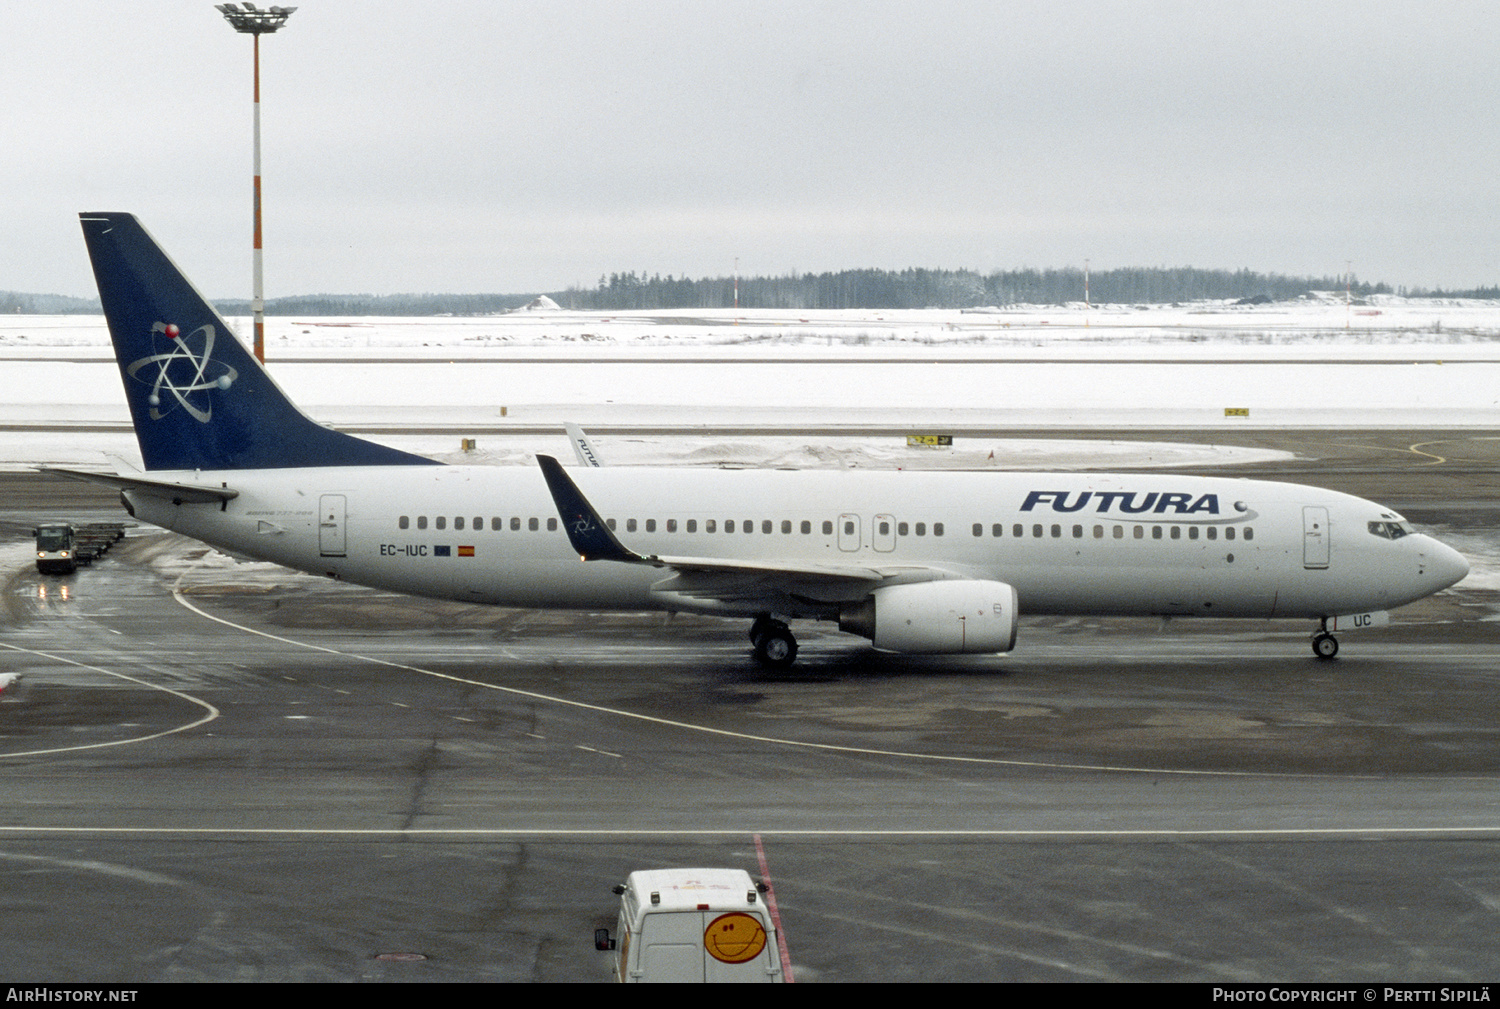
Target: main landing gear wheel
[[1325, 645], [775, 645]]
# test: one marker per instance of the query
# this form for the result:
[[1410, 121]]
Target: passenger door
[[1314, 537]]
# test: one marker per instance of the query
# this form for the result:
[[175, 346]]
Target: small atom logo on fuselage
[[181, 373]]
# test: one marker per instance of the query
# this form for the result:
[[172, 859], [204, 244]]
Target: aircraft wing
[[733, 583], [775, 586], [178, 493]]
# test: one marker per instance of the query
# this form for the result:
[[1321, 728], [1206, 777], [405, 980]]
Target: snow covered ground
[[1315, 321], [806, 388]]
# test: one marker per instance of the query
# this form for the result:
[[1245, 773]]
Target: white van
[[692, 925]]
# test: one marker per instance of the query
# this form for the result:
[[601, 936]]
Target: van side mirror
[[602, 941]]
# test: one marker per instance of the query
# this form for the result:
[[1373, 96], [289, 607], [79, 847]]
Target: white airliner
[[936, 563]]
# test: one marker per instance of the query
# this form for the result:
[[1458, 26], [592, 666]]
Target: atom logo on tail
[[182, 373]]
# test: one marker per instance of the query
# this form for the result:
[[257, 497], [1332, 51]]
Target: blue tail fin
[[198, 398]]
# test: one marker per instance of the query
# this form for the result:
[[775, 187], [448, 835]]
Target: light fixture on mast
[[248, 19]]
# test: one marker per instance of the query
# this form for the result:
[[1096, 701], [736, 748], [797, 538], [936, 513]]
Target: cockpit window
[[1389, 530]]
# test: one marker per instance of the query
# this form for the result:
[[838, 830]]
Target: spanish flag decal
[[465, 551]]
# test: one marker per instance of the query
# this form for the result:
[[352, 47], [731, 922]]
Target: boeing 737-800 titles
[[926, 562]]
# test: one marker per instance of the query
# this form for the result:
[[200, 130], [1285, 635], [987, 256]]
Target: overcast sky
[[498, 147]]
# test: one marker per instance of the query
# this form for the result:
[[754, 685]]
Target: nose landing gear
[[1324, 645]]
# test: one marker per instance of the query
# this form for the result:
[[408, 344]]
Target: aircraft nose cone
[[1447, 565]]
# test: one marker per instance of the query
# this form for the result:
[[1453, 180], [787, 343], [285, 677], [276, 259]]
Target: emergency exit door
[[849, 536]]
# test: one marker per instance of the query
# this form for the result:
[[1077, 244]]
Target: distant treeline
[[13, 302], [17, 303], [919, 288], [1491, 293], [382, 304], [877, 289]]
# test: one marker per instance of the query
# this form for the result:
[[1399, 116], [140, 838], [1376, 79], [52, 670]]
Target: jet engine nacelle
[[937, 618]]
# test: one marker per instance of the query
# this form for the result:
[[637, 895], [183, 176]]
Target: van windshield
[[53, 539]]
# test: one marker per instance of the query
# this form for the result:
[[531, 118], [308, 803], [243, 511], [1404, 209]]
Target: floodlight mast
[[248, 19]]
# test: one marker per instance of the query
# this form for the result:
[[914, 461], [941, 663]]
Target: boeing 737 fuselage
[[917, 562]]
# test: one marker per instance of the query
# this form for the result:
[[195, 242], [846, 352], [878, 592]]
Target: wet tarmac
[[266, 776]]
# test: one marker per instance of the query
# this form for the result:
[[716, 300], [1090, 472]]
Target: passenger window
[[552, 525], [709, 526], [630, 525], [1156, 532], [729, 525], [937, 529], [651, 525], [902, 529], [1177, 532], [404, 522], [515, 523], [497, 523], [849, 528], [1229, 532], [1140, 532], [1036, 532], [978, 529], [1212, 533], [458, 523], [748, 525], [478, 522], [921, 529], [765, 525], [1119, 532], [786, 527], [885, 527], [1192, 532], [608, 522], [827, 528], [806, 528], [441, 522], [671, 525], [532, 524], [1098, 532], [1078, 532], [692, 525], [421, 521], [1249, 533], [1018, 530], [997, 530], [1056, 531]]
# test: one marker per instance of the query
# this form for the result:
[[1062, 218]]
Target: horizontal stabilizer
[[177, 493]]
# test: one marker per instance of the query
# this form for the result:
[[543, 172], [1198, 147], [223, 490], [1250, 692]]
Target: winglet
[[582, 447], [588, 533]]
